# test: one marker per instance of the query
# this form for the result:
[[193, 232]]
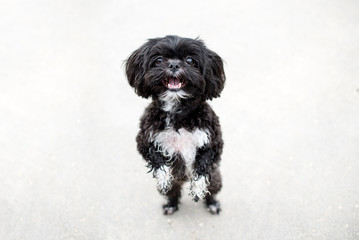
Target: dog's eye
[[190, 61], [159, 60]]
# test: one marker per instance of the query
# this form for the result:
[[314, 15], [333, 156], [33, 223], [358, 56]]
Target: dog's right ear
[[136, 69]]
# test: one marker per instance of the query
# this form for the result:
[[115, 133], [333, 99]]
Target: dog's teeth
[[170, 86]]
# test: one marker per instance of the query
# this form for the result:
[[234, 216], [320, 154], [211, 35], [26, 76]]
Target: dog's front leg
[[164, 179], [198, 188], [203, 166], [159, 165]]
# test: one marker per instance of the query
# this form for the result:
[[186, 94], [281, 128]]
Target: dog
[[180, 136]]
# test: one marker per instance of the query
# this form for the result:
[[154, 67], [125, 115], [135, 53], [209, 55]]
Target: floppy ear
[[214, 75], [136, 69]]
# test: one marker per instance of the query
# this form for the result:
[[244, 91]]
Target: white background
[[69, 168]]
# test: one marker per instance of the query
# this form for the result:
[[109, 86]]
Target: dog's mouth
[[174, 83]]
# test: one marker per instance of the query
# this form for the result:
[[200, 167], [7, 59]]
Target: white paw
[[198, 189], [164, 179]]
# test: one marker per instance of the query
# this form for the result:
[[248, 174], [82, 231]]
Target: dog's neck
[[179, 106], [174, 102], [171, 100], [182, 107]]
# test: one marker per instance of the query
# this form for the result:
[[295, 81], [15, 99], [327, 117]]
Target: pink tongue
[[174, 81]]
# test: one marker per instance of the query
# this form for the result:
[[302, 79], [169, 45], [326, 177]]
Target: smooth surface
[[69, 168]]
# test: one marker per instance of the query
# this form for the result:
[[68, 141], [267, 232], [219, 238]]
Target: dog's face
[[180, 66]]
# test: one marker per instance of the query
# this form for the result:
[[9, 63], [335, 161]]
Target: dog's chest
[[184, 142]]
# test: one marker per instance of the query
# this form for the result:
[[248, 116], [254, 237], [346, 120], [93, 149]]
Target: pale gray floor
[[68, 119]]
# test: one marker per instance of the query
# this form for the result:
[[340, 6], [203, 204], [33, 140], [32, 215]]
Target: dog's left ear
[[136, 68], [214, 75]]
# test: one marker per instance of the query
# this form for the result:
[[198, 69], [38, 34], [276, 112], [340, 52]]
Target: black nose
[[174, 65]]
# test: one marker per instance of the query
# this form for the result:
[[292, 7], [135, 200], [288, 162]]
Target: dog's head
[[177, 66]]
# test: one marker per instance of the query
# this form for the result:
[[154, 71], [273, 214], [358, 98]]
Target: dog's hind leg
[[173, 196], [213, 188]]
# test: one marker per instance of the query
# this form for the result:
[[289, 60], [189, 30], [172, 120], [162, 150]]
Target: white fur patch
[[170, 142], [171, 98], [199, 187], [164, 179]]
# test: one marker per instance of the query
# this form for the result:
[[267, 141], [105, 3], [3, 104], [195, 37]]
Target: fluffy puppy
[[180, 135]]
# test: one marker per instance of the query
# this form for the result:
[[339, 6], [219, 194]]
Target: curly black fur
[[208, 79], [202, 78]]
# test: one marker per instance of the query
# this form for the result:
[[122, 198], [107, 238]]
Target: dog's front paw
[[198, 189], [213, 205], [170, 208], [164, 179], [214, 208]]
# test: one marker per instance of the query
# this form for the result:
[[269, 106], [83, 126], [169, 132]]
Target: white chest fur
[[184, 142]]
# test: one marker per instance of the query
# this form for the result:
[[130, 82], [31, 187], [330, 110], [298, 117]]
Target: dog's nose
[[174, 65]]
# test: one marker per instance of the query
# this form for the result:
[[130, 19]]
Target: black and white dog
[[180, 135]]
